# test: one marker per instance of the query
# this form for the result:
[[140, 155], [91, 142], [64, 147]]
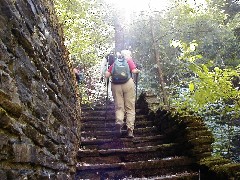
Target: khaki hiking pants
[[124, 100]]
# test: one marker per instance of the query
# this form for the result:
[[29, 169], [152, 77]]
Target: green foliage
[[201, 83], [212, 95], [88, 36], [86, 33], [92, 90], [209, 86]]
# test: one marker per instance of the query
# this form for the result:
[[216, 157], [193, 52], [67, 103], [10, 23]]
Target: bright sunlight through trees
[[153, 5]]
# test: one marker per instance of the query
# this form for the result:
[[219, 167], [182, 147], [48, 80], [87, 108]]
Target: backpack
[[110, 59], [120, 71]]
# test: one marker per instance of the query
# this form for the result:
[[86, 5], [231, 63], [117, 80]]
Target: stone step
[[103, 154], [108, 126], [177, 176], [125, 154], [139, 169], [98, 119], [97, 108], [101, 111], [109, 107], [90, 118], [139, 132], [121, 142], [98, 112]]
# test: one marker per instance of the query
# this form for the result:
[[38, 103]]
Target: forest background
[[188, 51]]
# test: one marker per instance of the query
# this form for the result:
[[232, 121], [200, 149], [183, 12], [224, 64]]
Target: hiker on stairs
[[123, 90], [107, 61]]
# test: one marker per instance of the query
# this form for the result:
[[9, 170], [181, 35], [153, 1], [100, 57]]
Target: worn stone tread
[[126, 154], [121, 142], [125, 150], [100, 116], [177, 176], [151, 164], [105, 154], [138, 132], [100, 126], [134, 140]]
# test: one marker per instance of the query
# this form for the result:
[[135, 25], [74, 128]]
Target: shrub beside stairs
[[149, 155]]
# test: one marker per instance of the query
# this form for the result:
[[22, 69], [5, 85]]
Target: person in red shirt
[[124, 97]]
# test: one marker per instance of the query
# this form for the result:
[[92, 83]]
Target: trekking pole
[[107, 84], [106, 100], [136, 86], [137, 75]]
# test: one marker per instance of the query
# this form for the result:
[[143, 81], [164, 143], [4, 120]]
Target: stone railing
[[193, 137]]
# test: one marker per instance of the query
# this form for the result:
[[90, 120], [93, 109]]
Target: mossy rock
[[227, 171], [202, 149], [221, 168], [12, 108], [194, 134], [201, 140], [212, 161], [4, 95]]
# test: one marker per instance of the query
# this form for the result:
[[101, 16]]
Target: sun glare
[[140, 5], [152, 5]]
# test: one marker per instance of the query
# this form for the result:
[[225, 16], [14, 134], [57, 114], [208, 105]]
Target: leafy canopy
[[86, 32]]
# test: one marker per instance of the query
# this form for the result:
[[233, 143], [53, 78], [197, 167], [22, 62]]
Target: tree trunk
[[119, 33], [158, 62]]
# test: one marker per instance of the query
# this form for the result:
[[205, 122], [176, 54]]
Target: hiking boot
[[119, 128], [130, 133]]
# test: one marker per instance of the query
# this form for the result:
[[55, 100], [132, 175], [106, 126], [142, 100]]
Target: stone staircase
[[105, 155]]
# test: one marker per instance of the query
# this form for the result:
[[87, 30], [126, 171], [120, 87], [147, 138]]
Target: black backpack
[[110, 59]]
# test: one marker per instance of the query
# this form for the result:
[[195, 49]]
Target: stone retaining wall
[[39, 111], [194, 139]]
